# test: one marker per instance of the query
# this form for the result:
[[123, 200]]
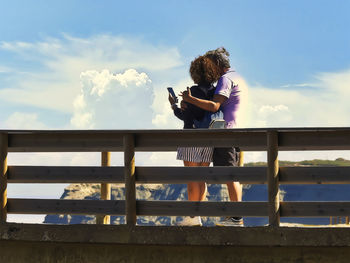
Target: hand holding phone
[[172, 94]]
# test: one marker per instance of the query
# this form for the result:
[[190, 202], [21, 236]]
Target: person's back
[[193, 114], [228, 88]]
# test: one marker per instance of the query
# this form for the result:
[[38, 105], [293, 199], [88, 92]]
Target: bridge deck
[[173, 235]]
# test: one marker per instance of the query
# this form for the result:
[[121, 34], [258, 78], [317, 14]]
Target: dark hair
[[220, 56], [203, 70]]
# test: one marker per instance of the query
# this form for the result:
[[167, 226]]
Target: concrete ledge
[[172, 235], [53, 252]]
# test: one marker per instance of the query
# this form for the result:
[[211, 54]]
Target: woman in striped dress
[[204, 73]]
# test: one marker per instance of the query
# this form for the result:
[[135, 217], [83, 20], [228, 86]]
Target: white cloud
[[27, 121], [56, 65], [96, 79], [119, 101], [322, 105]]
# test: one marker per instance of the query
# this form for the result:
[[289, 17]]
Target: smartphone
[[172, 93]]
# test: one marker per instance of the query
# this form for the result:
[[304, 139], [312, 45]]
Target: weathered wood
[[3, 177], [117, 207], [272, 178], [314, 175], [96, 174], [188, 208], [105, 188], [74, 207], [241, 159], [254, 141], [314, 139], [65, 142], [65, 174], [169, 140], [315, 209], [214, 175], [83, 234], [130, 188]]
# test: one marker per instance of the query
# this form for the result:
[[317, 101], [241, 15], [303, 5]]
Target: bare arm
[[207, 105]]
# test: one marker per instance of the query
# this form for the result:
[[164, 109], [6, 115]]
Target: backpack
[[211, 120]]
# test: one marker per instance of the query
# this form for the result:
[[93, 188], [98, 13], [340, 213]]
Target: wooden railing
[[270, 140]]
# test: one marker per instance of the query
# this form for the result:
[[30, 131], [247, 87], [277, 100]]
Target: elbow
[[214, 107]]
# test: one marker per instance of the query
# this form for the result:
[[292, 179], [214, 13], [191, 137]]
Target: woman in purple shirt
[[226, 98]]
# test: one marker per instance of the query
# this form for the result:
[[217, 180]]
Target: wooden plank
[[332, 139], [315, 175], [117, 207], [169, 140], [180, 175], [272, 178], [65, 142], [248, 141], [315, 209], [130, 179], [105, 189], [188, 208], [3, 177], [74, 207], [65, 174], [96, 174], [98, 141]]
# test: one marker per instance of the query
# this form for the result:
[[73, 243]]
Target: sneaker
[[231, 221], [191, 221]]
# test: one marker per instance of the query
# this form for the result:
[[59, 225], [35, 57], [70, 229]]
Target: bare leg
[[196, 190], [234, 191]]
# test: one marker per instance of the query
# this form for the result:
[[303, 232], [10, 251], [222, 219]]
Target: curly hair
[[203, 70], [220, 56]]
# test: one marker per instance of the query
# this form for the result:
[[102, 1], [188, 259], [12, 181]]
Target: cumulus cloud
[[95, 80], [118, 101], [56, 64]]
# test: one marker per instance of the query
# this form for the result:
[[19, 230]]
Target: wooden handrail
[[270, 140], [169, 140]]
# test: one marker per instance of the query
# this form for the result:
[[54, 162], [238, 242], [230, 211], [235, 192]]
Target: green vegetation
[[315, 162]]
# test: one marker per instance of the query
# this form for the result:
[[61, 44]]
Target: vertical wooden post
[[272, 178], [129, 172], [3, 176], [241, 159], [105, 189]]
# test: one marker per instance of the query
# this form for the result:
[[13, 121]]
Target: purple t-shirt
[[228, 88]]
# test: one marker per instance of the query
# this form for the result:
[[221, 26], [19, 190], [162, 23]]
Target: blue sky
[[271, 42], [105, 65]]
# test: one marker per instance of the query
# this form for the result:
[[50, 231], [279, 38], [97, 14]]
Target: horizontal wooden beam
[[247, 141], [314, 175], [65, 142], [299, 140], [247, 175], [57, 206], [155, 175], [290, 139], [65, 174], [108, 207], [175, 208], [144, 141], [187, 208], [176, 175], [315, 209]]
